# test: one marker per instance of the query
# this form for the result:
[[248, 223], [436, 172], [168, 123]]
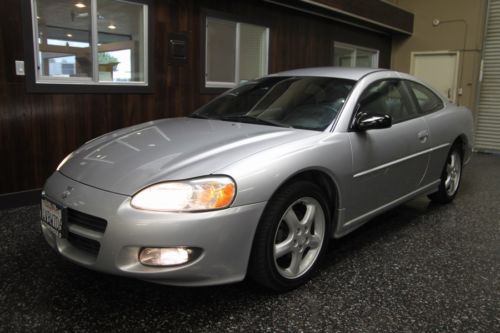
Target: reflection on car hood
[[127, 160]]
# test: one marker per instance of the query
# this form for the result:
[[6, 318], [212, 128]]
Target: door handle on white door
[[423, 136]]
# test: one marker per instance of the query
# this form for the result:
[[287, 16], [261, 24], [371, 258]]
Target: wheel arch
[[463, 142], [326, 182]]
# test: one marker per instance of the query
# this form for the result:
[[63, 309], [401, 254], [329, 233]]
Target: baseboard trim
[[18, 199]]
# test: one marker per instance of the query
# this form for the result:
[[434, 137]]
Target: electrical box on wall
[[177, 48]]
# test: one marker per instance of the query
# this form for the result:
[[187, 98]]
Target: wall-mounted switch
[[20, 67]]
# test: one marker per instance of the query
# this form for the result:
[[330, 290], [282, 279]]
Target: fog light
[[165, 256]]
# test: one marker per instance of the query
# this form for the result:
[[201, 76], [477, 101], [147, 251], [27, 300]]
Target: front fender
[[260, 175]]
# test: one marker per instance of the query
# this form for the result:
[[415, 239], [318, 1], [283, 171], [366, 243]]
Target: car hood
[[127, 160]]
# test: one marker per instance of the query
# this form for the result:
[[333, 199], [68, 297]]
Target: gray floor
[[418, 268]]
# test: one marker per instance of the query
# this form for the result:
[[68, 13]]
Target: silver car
[[257, 181]]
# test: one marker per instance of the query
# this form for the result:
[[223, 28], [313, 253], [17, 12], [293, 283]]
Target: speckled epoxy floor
[[418, 268]]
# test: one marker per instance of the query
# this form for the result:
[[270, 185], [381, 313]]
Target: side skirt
[[345, 227]]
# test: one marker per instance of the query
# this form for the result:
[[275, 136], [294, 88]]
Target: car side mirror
[[366, 121]]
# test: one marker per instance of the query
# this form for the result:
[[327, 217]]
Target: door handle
[[423, 136]]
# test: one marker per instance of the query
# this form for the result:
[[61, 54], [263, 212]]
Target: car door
[[440, 121], [388, 163]]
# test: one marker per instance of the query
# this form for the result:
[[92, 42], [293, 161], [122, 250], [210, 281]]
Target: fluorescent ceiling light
[[112, 26], [80, 5]]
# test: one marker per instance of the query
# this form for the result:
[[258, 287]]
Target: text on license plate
[[52, 216]]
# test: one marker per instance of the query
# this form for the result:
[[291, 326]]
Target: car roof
[[336, 72]]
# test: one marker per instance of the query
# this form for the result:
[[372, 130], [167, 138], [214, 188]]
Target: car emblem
[[67, 192]]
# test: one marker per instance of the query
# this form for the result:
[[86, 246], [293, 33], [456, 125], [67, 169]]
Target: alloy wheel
[[453, 173], [299, 237]]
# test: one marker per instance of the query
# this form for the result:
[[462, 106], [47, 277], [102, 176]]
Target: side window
[[426, 99], [387, 97]]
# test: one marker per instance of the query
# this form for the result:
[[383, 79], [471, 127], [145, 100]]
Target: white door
[[439, 69]]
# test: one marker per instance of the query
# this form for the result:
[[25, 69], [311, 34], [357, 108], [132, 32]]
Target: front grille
[[82, 243], [86, 221], [89, 222]]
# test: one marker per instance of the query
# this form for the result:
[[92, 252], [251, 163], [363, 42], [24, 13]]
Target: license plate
[[53, 216]]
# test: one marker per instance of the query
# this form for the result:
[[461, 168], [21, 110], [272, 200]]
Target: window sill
[[51, 87]]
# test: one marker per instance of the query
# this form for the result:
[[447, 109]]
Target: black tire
[[300, 242], [451, 177]]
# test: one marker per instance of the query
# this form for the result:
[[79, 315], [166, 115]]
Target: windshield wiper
[[254, 120]]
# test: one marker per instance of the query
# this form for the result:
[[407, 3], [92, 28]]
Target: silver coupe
[[257, 181]]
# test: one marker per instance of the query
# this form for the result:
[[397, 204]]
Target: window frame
[[84, 85], [355, 49], [221, 87]]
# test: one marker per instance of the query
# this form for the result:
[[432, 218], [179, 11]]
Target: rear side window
[[427, 100], [387, 97]]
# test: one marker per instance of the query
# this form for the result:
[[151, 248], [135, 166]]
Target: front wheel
[[291, 238], [450, 177]]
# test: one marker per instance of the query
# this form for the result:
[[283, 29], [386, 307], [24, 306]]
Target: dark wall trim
[[369, 14], [19, 199], [29, 58]]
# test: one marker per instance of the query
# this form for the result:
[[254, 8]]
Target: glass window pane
[[343, 56], [427, 100], [253, 52], [365, 58], [386, 98], [301, 102], [121, 55], [220, 50], [346, 55], [64, 39]]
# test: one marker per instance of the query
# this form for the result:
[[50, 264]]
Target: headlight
[[64, 161], [199, 194]]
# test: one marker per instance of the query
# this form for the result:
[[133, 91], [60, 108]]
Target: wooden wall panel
[[38, 130]]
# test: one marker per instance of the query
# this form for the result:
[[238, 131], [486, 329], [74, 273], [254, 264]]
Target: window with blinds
[[347, 55], [234, 52]]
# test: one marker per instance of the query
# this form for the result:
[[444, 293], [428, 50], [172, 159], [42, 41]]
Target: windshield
[[300, 102]]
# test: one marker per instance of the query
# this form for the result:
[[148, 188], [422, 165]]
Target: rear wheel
[[291, 238], [450, 177]]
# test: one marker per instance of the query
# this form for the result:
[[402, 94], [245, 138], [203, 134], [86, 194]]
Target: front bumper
[[225, 236]]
